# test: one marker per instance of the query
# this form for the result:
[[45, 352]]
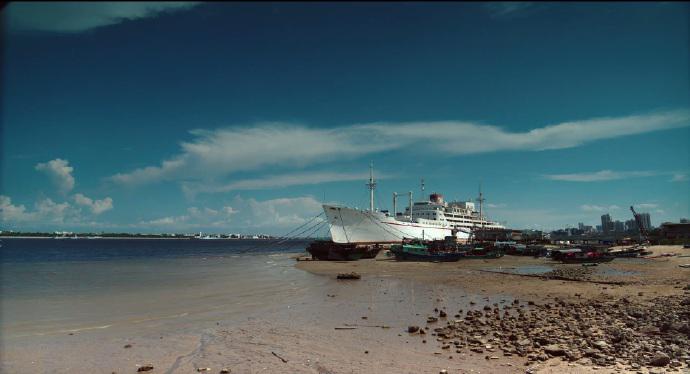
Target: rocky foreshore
[[609, 332]]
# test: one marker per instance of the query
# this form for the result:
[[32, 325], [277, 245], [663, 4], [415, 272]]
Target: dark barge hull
[[449, 257], [326, 250]]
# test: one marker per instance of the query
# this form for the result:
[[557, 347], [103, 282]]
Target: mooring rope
[[286, 237]]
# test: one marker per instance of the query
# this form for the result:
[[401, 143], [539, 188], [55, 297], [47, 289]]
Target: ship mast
[[481, 206], [371, 185]]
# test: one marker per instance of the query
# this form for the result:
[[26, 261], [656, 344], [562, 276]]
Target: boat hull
[[403, 255], [348, 225], [330, 251]]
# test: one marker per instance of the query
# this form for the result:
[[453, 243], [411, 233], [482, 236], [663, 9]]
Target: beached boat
[[327, 250], [577, 256], [419, 251]]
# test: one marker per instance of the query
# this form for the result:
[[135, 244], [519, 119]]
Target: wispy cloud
[[219, 153], [275, 181], [508, 9], [60, 172], [679, 177], [647, 206], [599, 176], [598, 208], [74, 17], [497, 206]]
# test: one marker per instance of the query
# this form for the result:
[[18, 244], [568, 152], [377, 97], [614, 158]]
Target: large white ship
[[432, 219]]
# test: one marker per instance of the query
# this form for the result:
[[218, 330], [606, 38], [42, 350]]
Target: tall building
[[606, 223], [618, 226], [581, 226], [646, 220], [631, 225]]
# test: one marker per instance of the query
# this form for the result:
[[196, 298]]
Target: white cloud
[[13, 213], [223, 152], [45, 211], [497, 206], [647, 206], [274, 181], [60, 172], [96, 206], [74, 17], [679, 177], [598, 208], [603, 175], [273, 216]]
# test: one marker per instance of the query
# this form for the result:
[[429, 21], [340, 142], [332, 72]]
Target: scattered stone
[[412, 329], [352, 275], [127, 346], [660, 359], [203, 369], [147, 367], [554, 350], [224, 371]]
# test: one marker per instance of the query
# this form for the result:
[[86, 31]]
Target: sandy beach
[[323, 325]]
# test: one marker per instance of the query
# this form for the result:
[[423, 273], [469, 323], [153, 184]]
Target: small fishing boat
[[577, 256], [419, 251]]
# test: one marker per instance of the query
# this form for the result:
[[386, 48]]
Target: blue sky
[[240, 117]]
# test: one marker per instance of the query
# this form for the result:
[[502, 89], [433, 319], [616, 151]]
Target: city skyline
[[240, 117]]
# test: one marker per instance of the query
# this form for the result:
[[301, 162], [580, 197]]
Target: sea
[[57, 286]]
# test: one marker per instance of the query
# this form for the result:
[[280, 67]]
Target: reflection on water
[[124, 283]]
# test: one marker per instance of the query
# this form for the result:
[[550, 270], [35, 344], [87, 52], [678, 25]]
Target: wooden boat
[[327, 250], [579, 257], [419, 251]]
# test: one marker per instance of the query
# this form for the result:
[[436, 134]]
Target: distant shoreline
[[136, 237]]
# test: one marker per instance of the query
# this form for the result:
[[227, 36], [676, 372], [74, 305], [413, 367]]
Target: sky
[[246, 117]]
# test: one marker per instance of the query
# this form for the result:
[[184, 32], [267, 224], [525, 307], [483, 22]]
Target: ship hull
[[349, 225]]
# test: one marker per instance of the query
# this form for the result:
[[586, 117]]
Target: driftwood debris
[[281, 359]]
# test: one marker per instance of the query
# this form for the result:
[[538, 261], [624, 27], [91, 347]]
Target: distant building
[[684, 220], [606, 223], [631, 225], [674, 231], [599, 228], [581, 226], [618, 226], [646, 220]]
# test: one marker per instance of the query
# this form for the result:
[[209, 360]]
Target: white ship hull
[[349, 225]]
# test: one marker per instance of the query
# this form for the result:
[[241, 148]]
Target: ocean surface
[[57, 286]]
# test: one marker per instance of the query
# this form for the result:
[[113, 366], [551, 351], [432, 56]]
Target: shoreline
[[343, 326]]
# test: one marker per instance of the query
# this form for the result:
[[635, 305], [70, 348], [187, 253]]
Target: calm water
[[53, 286]]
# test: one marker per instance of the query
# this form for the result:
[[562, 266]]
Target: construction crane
[[640, 224]]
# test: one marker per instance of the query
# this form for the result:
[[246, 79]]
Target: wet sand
[[298, 334]]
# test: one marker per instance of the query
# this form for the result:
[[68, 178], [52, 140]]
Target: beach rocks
[[352, 275], [660, 359], [224, 371], [604, 332], [412, 329], [147, 367], [554, 350]]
